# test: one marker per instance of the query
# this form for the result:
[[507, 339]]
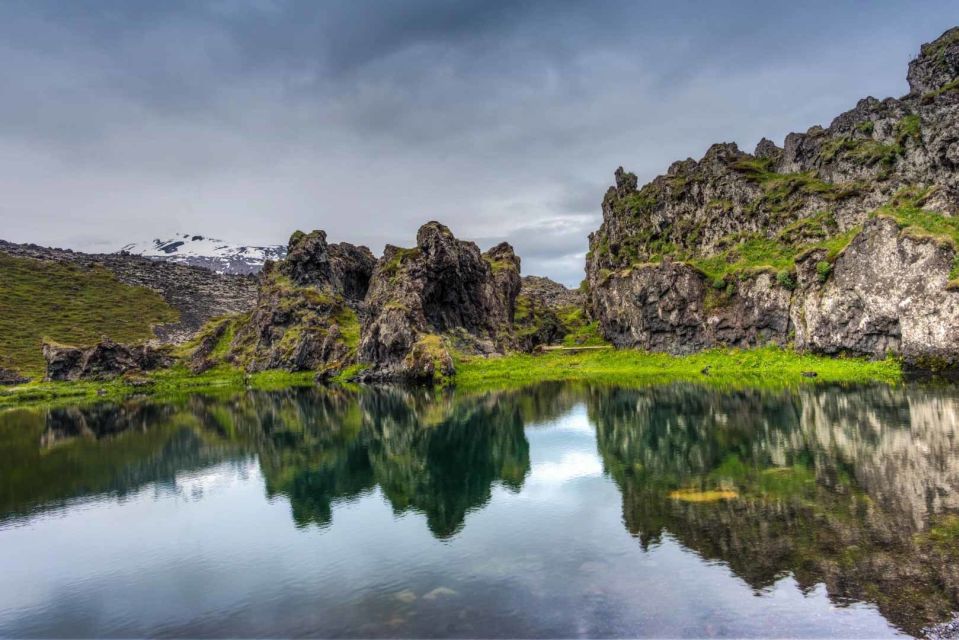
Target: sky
[[244, 120]]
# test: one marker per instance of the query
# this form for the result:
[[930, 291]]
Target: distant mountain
[[209, 253]]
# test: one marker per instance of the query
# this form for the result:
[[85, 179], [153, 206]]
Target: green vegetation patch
[[754, 252], [580, 332], [906, 209], [952, 85], [69, 305], [767, 366]]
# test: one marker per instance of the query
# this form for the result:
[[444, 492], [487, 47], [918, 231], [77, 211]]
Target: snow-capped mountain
[[210, 253]]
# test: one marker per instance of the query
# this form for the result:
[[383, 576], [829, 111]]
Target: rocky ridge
[[335, 309], [843, 240]]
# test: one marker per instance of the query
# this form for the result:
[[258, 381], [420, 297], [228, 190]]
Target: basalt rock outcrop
[[843, 240], [443, 292], [306, 312], [102, 361], [332, 307]]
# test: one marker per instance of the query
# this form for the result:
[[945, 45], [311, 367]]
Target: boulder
[[102, 361], [10, 377]]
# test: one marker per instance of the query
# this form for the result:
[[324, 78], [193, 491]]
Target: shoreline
[[766, 367]]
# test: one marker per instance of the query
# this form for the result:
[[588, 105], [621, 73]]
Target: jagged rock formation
[[102, 361], [842, 241], [442, 289], [546, 313], [305, 317]]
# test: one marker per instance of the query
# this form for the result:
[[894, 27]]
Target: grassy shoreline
[[766, 366], [763, 367]]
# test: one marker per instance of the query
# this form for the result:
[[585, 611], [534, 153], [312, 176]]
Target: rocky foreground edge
[[842, 241]]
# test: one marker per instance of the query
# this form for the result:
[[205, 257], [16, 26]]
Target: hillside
[[43, 300], [843, 240]]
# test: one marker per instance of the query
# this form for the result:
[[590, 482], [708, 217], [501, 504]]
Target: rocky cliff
[[442, 292], [841, 241]]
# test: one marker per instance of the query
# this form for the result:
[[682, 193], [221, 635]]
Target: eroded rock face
[[887, 293], [505, 265], [307, 310], [442, 287], [102, 361], [672, 307], [344, 267], [544, 311], [772, 230]]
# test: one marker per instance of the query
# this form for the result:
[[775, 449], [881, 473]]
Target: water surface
[[560, 510]]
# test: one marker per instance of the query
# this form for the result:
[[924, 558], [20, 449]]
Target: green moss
[[349, 325], [909, 128], [580, 332], [945, 532], [399, 257], [950, 86], [499, 266], [906, 210], [786, 279], [748, 252], [69, 305], [823, 269], [166, 383]]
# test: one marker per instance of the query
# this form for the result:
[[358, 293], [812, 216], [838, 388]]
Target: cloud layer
[[244, 120]]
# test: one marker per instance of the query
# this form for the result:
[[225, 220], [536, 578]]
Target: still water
[[561, 510]]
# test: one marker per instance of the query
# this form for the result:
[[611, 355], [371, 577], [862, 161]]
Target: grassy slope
[[70, 305]]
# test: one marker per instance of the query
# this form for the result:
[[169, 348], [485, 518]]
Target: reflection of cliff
[[436, 454], [834, 486]]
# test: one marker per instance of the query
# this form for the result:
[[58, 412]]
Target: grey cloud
[[505, 120]]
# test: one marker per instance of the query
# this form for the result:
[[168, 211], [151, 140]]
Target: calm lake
[[560, 510]]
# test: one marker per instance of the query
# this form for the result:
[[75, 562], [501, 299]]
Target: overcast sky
[[127, 120]]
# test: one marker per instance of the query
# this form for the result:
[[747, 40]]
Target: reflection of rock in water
[[836, 485], [856, 488], [435, 454], [48, 457]]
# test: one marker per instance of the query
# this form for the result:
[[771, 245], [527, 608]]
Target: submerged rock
[[102, 361]]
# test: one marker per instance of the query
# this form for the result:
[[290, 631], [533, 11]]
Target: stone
[[11, 377], [103, 361]]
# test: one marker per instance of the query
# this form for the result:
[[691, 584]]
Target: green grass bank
[[765, 367]]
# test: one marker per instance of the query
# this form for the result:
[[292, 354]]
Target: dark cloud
[[247, 119]]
